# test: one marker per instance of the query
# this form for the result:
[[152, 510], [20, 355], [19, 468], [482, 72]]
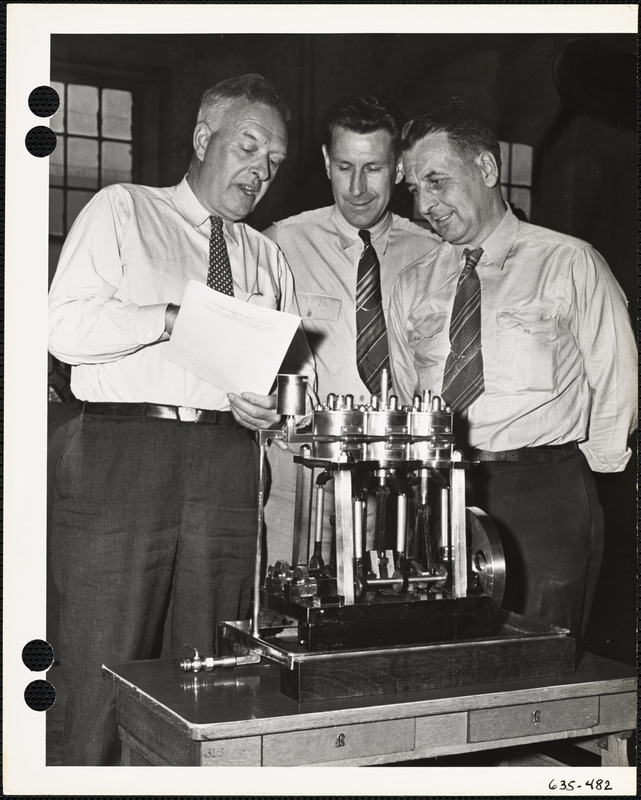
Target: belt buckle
[[188, 414]]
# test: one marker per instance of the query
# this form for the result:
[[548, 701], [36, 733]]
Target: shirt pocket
[[321, 315], [527, 349], [423, 337]]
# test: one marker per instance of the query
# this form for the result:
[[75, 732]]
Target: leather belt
[[145, 411], [543, 454]]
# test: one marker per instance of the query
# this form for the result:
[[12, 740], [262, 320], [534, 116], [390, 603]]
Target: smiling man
[[526, 335], [345, 258], [155, 498], [324, 247]]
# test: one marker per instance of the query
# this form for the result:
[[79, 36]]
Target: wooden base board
[[458, 664], [517, 652]]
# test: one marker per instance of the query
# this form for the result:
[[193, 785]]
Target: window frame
[[145, 91], [507, 184], [145, 150]]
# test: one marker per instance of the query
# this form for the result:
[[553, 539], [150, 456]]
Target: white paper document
[[232, 344]]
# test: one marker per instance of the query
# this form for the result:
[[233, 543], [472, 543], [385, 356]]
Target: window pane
[[57, 121], [82, 166], [57, 163], [116, 114], [116, 163], [82, 109], [522, 164], [56, 200], [76, 201], [505, 161], [521, 199]]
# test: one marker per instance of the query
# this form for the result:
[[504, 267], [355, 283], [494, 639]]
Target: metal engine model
[[409, 563], [402, 589]]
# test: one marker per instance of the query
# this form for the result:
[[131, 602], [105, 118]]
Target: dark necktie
[[463, 376], [372, 351], [219, 274]]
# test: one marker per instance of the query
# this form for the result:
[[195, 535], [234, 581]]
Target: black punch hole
[[40, 141], [44, 101], [40, 695], [37, 655]]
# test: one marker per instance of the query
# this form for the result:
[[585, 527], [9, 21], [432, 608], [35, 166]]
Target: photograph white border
[[29, 27]]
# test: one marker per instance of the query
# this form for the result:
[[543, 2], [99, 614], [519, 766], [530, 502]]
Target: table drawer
[[533, 719], [619, 711], [338, 743], [440, 732]]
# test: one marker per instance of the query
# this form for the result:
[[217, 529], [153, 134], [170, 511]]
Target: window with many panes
[[94, 129]]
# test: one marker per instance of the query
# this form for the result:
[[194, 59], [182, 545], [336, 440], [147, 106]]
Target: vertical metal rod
[[344, 536], [310, 509], [384, 386], [382, 492], [316, 559], [457, 511], [320, 514], [359, 510], [298, 516], [259, 534], [401, 523], [445, 525]]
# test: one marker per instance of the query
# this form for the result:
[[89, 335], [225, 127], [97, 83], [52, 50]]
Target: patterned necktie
[[372, 351], [463, 376], [219, 274]]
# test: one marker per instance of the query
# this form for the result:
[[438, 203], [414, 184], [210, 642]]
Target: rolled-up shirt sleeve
[[608, 349], [88, 323], [404, 376]]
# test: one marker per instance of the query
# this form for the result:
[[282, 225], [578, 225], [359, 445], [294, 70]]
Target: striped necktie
[[463, 376], [219, 273], [372, 351]]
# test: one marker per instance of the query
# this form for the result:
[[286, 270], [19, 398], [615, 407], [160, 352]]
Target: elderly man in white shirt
[[326, 248], [155, 498], [526, 335]]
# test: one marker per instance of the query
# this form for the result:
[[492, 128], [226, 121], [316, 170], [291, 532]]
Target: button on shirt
[[323, 251], [559, 353], [130, 252]]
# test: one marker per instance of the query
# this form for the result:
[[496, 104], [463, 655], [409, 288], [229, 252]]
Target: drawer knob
[[340, 740], [536, 716]]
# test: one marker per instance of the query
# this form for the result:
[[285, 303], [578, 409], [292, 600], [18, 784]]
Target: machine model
[[409, 594]]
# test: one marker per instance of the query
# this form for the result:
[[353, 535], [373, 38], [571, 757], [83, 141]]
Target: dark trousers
[[551, 526], [153, 527]]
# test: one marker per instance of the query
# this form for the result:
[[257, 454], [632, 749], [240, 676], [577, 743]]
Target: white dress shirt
[[130, 252], [559, 355], [323, 251]]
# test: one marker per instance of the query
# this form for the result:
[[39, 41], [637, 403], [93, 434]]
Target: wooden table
[[238, 717]]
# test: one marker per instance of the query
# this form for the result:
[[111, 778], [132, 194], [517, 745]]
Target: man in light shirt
[[156, 489], [556, 393], [361, 150]]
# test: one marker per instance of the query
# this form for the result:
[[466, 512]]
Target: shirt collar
[[198, 216], [348, 234], [496, 247], [499, 243]]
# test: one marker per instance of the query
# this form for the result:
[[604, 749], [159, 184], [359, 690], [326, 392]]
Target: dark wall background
[[573, 98]]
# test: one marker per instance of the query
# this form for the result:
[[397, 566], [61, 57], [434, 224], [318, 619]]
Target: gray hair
[[252, 87], [469, 133]]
